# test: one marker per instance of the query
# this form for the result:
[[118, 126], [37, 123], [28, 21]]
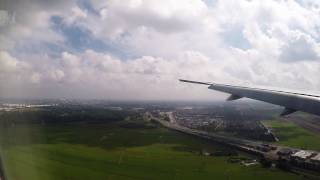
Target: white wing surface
[[291, 101]]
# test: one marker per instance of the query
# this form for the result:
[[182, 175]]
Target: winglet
[[195, 82]]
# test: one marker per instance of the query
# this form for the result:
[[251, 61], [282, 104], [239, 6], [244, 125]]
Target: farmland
[[116, 150], [292, 135]]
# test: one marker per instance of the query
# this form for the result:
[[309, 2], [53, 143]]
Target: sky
[[138, 49]]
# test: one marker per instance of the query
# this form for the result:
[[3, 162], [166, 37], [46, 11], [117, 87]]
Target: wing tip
[[195, 82]]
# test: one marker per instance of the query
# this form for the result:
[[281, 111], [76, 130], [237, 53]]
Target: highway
[[270, 152], [245, 145]]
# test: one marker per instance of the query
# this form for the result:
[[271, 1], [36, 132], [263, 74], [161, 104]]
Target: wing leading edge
[[291, 101]]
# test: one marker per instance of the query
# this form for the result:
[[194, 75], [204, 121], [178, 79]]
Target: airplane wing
[[291, 101]]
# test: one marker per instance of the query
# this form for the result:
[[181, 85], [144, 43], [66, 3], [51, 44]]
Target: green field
[[292, 135], [108, 151]]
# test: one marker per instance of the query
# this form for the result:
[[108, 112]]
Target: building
[[315, 159], [302, 155]]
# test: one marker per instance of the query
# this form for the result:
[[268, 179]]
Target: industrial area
[[218, 129]]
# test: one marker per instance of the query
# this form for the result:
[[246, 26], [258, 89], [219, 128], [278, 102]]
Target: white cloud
[[167, 40], [123, 17], [70, 60], [7, 63], [5, 18], [100, 75], [75, 15], [300, 47], [30, 22]]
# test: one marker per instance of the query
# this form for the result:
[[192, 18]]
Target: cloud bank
[[138, 49]]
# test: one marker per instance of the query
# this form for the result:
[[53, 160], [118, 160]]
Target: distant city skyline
[[138, 49]]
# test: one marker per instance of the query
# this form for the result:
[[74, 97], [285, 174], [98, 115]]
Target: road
[[242, 144], [268, 152]]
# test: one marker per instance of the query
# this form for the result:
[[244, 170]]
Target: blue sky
[[137, 49]]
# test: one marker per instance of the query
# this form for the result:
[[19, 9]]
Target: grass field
[[112, 152], [292, 135]]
